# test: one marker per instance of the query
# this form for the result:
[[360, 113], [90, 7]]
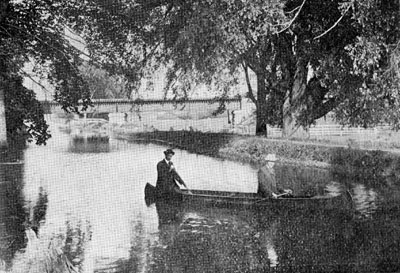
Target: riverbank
[[360, 163], [249, 149]]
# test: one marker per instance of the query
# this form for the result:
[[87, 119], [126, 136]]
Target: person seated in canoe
[[167, 176], [267, 181], [266, 177]]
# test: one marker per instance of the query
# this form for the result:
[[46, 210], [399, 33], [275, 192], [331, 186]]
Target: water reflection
[[77, 238], [222, 240], [304, 181], [93, 144], [207, 240], [365, 200], [12, 211], [38, 214], [321, 242]]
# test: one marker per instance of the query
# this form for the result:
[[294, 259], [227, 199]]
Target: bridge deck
[[124, 105]]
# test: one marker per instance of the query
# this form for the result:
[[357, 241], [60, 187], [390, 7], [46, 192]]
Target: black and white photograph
[[201, 136]]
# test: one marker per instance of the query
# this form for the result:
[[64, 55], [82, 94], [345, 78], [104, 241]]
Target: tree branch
[[294, 18], [50, 46], [32, 79], [334, 25], [250, 93], [152, 51]]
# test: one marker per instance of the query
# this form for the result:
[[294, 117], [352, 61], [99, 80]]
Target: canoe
[[242, 199]]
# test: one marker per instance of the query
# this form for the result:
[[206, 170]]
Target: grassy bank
[[354, 163]]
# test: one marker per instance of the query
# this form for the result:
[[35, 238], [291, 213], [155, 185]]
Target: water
[[91, 196]]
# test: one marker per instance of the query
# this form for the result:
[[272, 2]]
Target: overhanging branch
[[294, 18], [334, 25], [40, 40], [35, 81]]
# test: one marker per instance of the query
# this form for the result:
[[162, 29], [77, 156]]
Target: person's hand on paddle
[[285, 193], [188, 190]]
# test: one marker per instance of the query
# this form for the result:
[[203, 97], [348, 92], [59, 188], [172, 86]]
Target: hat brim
[[169, 152]]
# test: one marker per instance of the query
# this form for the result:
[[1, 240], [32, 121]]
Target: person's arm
[[178, 178]]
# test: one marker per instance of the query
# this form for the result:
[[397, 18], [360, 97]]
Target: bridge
[[126, 106]]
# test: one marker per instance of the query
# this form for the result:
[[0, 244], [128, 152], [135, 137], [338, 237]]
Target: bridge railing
[[113, 104]]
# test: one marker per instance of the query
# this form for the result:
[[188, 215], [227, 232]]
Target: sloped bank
[[356, 164]]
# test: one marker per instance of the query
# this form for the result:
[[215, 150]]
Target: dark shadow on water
[[13, 153], [13, 215], [94, 144], [233, 240]]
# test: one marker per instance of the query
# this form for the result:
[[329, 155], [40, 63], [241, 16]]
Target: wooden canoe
[[241, 199]]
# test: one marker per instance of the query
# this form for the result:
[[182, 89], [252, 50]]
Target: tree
[[34, 31], [309, 57], [101, 84], [206, 42], [346, 47]]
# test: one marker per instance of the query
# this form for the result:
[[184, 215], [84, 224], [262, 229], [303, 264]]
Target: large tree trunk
[[261, 125], [3, 128], [293, 104]]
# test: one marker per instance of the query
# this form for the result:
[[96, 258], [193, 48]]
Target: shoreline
[[252, 150]]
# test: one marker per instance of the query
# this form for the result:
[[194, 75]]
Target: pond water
[[92, 196]]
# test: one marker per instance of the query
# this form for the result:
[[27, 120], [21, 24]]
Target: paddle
[[285, 193]]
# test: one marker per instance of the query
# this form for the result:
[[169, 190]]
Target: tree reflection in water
[[211, 240], [233, 240], [77, 237], [91, 144], [12, 209], [39, 211]]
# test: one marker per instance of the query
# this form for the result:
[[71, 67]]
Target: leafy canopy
[[34, 31]]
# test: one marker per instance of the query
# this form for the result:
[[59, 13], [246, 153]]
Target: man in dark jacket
[[167, 175]]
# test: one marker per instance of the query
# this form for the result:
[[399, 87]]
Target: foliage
[[114, 34], [34, 31], [24, 113], [373, 58], [101, 84], [309, 57]]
